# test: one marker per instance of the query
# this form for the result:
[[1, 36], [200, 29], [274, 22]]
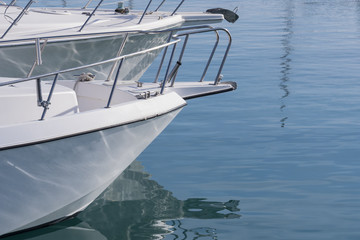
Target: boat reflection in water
[[136, 207]]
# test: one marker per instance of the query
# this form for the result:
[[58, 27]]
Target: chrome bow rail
[[173, 41], [25, 9]]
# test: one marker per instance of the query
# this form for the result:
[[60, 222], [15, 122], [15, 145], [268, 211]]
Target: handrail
[[217, 79], [208, 62], [86, 66], [173, 40], [45, 104], [205, 28], [178, 63]]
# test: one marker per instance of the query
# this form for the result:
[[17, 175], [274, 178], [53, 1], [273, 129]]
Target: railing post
[[211, 57], [144, 12], [177, 7], [45, 104], [173, 73], [114, 84], [39, 92], [159, 6], [38, 60], [162, 59], [217, 79], [167, 70], [117, 55], [91, 15], [170, 61], [180, 58], [38, 52]]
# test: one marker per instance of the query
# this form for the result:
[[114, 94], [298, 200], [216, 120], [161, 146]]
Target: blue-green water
[[276, 159]]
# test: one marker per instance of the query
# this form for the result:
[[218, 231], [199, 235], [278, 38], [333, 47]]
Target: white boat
[[74, 37], [64, 141]]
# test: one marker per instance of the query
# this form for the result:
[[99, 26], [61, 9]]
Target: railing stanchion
[[145, 12], [159, 6], [162, 59], [114, 84], [38, 53], [93, 12], [45, 104], [217, 79], [211, 57], [117, 55], [169, 64], [180, 58], [177, 7], [167, 70], [39, 92]]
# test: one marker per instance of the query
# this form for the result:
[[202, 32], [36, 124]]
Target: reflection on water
[[285, 58], [136, 207]]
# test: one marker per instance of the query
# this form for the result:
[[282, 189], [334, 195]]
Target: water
[[276, 159]]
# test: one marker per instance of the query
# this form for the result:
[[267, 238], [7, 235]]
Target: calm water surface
[[276, 159]]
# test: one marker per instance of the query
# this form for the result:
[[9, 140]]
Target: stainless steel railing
[[195, 30], [173, 40]]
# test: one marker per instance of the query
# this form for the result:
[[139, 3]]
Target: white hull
[[44, 182], [63, 142]]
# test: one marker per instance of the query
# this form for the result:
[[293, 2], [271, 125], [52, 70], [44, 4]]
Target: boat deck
[[52, 22], [72, 97]]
